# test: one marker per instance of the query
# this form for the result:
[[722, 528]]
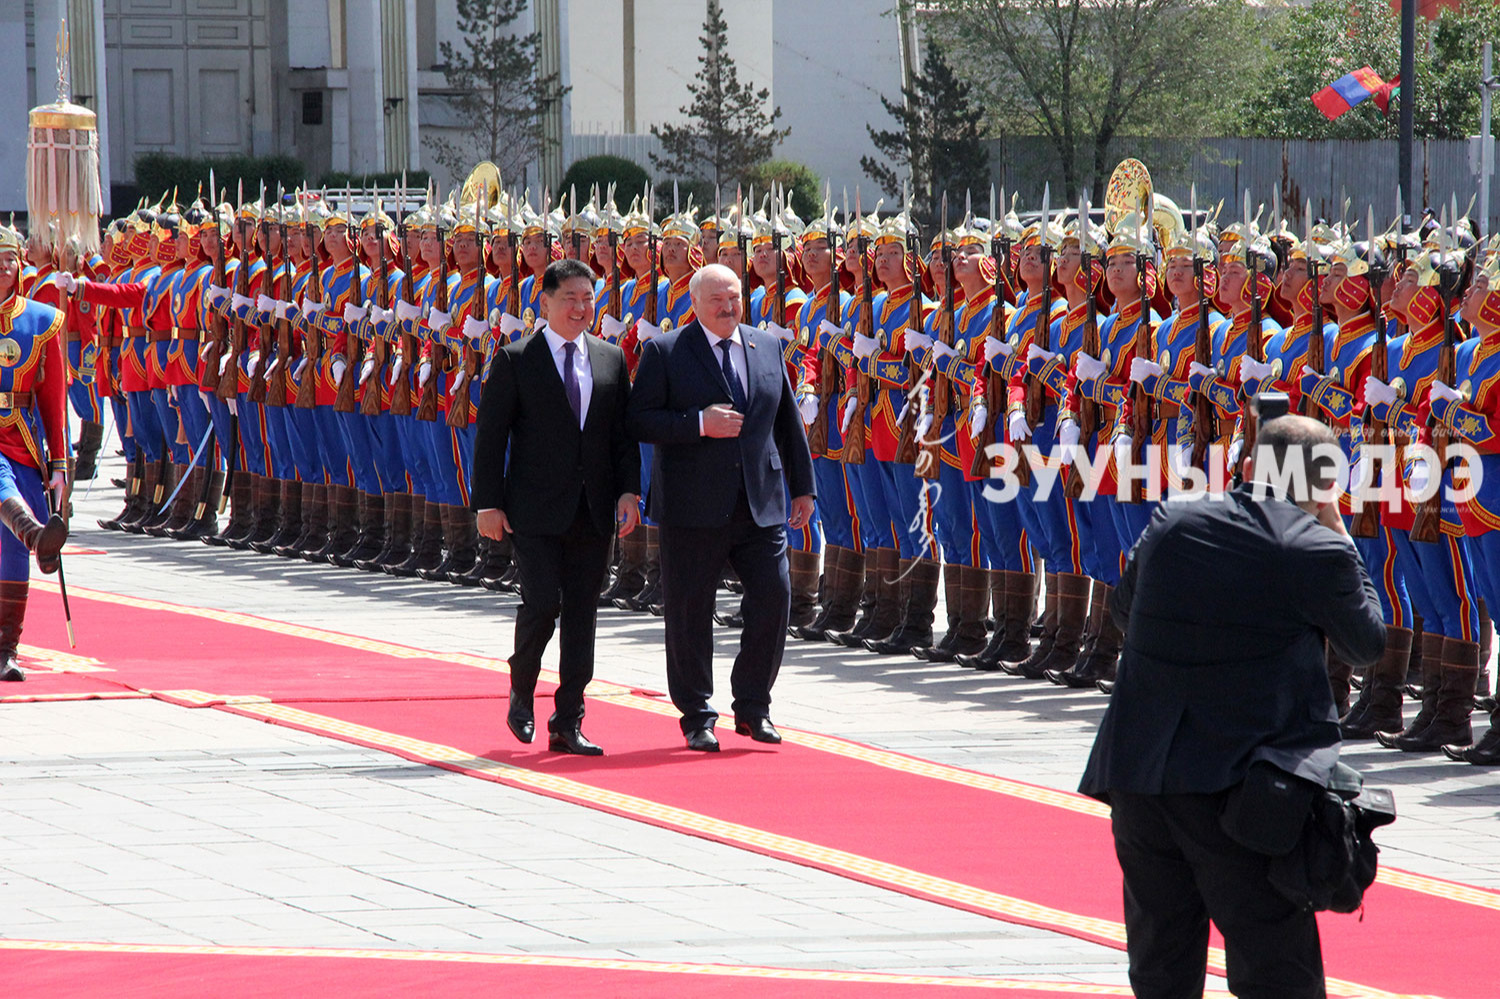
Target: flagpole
[[1487, 83], [1408, 100]]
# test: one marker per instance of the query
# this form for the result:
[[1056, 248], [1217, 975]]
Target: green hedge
[[156, 174], [337, 178], [800, 182], [628, 177]]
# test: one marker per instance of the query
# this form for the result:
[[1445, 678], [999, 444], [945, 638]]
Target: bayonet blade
[[1046, 212]]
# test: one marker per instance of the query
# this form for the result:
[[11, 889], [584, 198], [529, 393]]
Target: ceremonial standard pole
[[1408, 95]]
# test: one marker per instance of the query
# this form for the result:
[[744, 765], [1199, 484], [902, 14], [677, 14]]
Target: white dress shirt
[[581, 368], [737, 360]]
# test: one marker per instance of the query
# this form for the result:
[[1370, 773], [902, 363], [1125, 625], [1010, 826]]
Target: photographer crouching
[[1221, 730]]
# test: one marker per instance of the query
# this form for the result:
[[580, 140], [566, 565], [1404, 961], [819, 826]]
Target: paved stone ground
[[138, 821]]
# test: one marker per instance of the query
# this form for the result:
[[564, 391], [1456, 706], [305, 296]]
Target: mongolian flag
[[1383, 96], [1347, 91]]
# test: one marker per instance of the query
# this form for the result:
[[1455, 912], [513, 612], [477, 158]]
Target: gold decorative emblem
[[629, 318], [1104, 358], [666, 324], [10, 353], [848, 327], [528, 316], [1399, 384], [1166, 358], [1466, 389], [1276, 368]]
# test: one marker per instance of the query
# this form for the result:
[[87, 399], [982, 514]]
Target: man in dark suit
[[715, 400], [1225, 607], [555, 402]]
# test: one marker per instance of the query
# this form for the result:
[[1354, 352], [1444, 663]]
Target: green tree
[[629, 178], [1312, 46], [803, 188], [1082, 73], [495, 91], [937, 143], [728, 127]]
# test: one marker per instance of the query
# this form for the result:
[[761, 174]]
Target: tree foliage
[[728, 128], [496, 92], [1082, 73], [936, 144], [629, 178], [1310, 47], [803, 188]]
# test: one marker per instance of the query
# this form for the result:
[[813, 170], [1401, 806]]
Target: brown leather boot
[[803, 569], [915, 629], [1097, 662], [134, 497], [867, 618], [204, 519], [465, 541], [630, 573], [1432, 682], [90, 439], [158, 486], [371, 537], [288, 521], [650, 591], [1482, 698], [12, 614], [952, 584], [1072, 612], [43, 541], [427, 539], [235, 537], [314, 521], [1378, 708], [966, 634], [267, 513], [240, 511], [1048, 640], [342, 526], [397, 546], [1340, 673], [843, 574], [1455, 701], [1414, 668]]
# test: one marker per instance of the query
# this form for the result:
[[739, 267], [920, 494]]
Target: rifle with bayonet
[[369, 403], [312, 343], [1316, 347], [276, 384], [853, 428], [411, 347], [1205, 415], [218, 327], [229, 383], [468, 368], [995, 392], [1140, 400], [930, 465], [906, 439], [827, 387], [1426, 525], [1376, 433], [427, 400], [344, 400], [1255, 344], [260, 352]]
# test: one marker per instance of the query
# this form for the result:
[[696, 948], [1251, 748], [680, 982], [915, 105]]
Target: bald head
[[715, 290], [1299, 459]]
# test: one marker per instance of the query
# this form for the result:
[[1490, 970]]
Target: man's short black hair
[[564, 270]]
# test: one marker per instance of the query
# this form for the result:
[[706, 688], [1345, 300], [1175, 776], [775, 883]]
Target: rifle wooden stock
[[906, 440], [312, 346], [859, 392], [217, 327], [1375, 432], [1255, 346], [458, 402], [344, 400], [276, 387], [401, 385], [817, 434], [980, 466], [427, 400], [932, 448], [1140, 400], [1205, 417], [1316, 347], [229, 386], [369, 403], [1426, 525], [256, 392], [1088, 409]]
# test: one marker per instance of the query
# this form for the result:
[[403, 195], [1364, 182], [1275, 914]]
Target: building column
[[366, 92]]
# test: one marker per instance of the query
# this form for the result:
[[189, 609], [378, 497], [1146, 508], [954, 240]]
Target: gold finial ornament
[[62, 164]]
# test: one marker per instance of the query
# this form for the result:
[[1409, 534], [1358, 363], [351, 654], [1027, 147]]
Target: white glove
[[864, 346], [1377, 391], [458, 382], [338, 372], [215, 294], [241, 302], [407, 313], [918, 341], [941, 349], [780, 332], [1019, 431], [1142, 369], [284, 310], [1417, 479], [438, 320], [366, 370], [253, 366], [1123, 449], [301, 367], [924, 424], [424, 373], [808, 407], [1037, 352], [979, 418], [611, 328], [1439, 390], [1236, 447], [354, 313], [475, 329], [849, 409], [310, 310], [379, 315], [1251, 369], [1089, 367], [224, 364], [995, 346], [646, 331], [66, 281], [266, 304], [1202, 370], [1068, 433], [827, 329], [397, 367], [511, 325], [234, 406]]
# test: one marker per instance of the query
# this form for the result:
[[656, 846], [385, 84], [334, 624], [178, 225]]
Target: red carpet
[[94, 971], [1023, 854]]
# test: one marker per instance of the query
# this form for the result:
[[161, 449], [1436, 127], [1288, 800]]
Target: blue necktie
[[570, 381], [736, 390]]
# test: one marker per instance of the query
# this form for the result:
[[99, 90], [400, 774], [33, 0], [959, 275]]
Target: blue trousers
[[253, 454], [1440, 581], [836, 509], [913, 522], [19, 481], [1098, 542], [412, 438], [450, 487], [1002, 539], [1379, 554], [81, 393], [359, 445], [876, 529], [953, 517], [195, 420], [390, 461], [166, 414], [279, 441]]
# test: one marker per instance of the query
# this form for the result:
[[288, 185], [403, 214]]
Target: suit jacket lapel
[[542, 357], [602, 376], [697, 342], [753, 349]]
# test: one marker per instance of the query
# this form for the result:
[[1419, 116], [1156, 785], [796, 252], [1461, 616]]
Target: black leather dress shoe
[[730, 619], [571, 740], [521, 723], [703, 740], [11, 673], [759, 729]]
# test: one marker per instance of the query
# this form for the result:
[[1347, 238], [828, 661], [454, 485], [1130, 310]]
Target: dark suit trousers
[[561, 575], [692, 562], [1181, 870]]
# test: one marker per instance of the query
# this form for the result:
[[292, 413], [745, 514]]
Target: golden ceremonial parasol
[[62, 165]]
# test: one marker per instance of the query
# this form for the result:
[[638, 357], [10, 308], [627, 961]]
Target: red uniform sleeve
[[115, 295], [52, 396]]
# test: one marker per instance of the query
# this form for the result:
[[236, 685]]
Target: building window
[[427, 43], [312, 107]]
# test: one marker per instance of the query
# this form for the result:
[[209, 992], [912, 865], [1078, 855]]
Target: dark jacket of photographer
[[1225, 607]]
